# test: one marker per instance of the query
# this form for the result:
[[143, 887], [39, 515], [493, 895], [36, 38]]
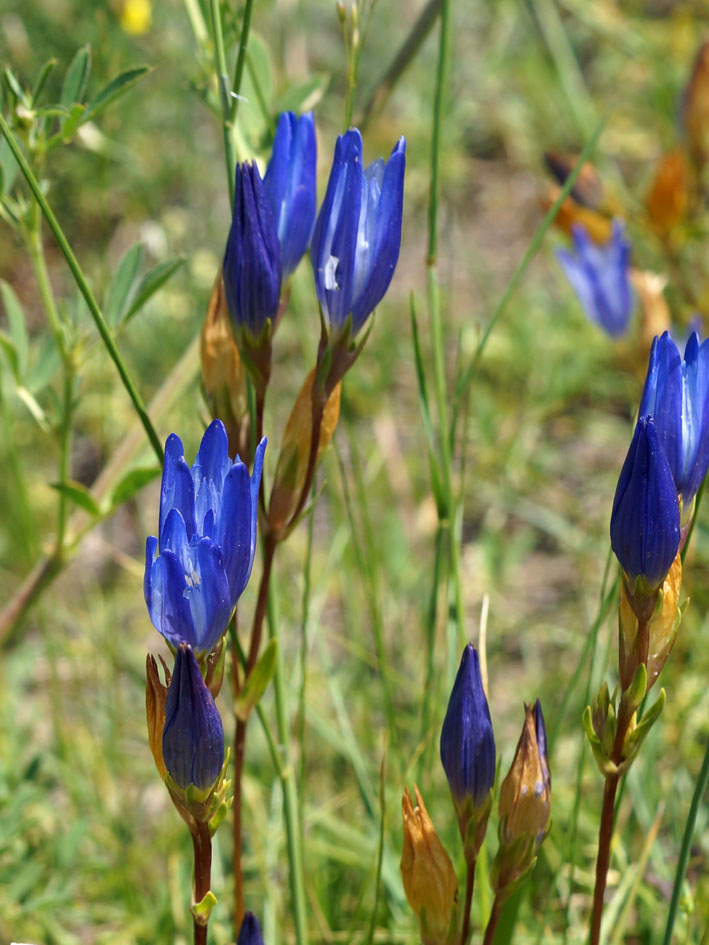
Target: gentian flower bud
[[645, 528], [198, 566], [355, 244], [525, 800], [468, 751], [599, 276], [252, 261], [193, 738], [676, 394], [289, 186], [250, 931], [430, 883]]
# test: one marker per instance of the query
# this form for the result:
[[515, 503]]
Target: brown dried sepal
[[155, 694]]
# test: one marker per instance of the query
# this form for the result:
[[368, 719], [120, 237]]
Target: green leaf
[[303, 97], [257, 682], [71, 125], [8, 167], [202, 909], [150, 284], [133, 482], [123, 285], [44, 364], [11, 354], [77, 77], [13, 84], [16, 323], [115, 88], [78, 494], [44, 74]]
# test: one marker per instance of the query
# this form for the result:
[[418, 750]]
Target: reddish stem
[[202, 843]]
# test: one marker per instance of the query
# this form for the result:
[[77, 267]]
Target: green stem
[[305, 616], [224, 96], [290, 793], [468, 901], [241, 60], [83, 287], [683, 860]]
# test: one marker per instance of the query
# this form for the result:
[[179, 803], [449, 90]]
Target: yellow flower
[[430, 883], [136, 16]]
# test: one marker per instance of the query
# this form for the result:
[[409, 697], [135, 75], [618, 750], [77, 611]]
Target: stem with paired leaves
[[202, 845]]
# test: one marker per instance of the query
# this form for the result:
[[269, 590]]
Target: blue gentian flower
[[289, 185], [467, 740], [355, 245], [198, 566], [250, 931], [193, 738], [542, 743], [676, 393], [645, 528], [252, 261], [599, 277]]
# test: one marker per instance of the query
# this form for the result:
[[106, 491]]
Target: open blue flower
[[467, 740], [290, 186], [645, 528], [599, 277], [357, 236], [252, 260], [198, 566], [193, 737], [676, 393]]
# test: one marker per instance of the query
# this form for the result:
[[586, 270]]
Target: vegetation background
[[91, 850]]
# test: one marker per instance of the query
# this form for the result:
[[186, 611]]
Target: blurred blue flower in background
[[467, 740], [252, 260], [355, 244], [645, 528], [599, 275], [290, 186], [250, 931], [676, 394], [193, 738], [198, 566]]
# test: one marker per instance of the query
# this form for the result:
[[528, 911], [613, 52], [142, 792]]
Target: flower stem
[[202, 844], [468, 901], [493, 920]]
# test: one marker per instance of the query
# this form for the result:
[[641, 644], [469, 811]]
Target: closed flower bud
[[468, 751], [676, 394], [525, 801], [193, 738], [645, 529], [252, 261], [357, 235], [600, 277], [198, 566], [250, 931], [289, 186], [430, 883]]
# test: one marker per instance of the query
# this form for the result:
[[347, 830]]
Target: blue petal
[[209, 598], [151, 549], [177, 490], [167, 605], [212, 460], [193, 737], [175, 540], [236, 529], [334, 240], [275, 181], [542, 744], [662, 398], [385, 239]]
